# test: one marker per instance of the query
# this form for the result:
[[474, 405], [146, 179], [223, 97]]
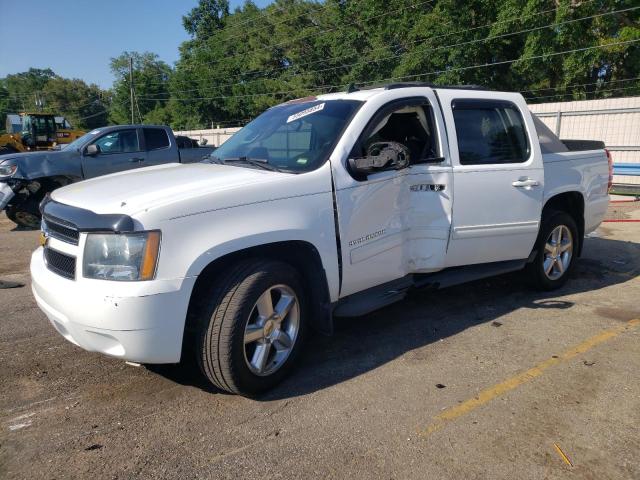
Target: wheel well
[[303, 256], [39, 187], [573, 204], [48, 184]]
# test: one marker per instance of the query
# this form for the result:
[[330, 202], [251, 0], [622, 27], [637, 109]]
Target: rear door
[[497, 175], [119, 150], [158, 145]]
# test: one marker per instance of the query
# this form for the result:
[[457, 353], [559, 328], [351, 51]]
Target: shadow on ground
[[365, 343]]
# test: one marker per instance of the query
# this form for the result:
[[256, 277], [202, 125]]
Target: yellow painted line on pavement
[[490, 393], [564, 457]]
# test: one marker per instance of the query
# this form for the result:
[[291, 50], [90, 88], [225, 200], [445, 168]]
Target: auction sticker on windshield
[[304, 113]]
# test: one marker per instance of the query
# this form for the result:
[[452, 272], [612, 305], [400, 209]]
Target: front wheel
[[25, 214], [251, 326], [556, 248]]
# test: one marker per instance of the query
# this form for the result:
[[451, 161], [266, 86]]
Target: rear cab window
[[490, 132], [155, 138]]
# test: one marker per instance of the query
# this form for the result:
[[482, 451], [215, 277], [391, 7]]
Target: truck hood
[[177, 185], [33, 165]]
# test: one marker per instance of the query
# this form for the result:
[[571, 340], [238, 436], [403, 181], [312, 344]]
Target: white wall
[[214, 136], [615, 121]]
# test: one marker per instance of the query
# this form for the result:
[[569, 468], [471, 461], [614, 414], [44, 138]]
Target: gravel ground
[[486, 380]]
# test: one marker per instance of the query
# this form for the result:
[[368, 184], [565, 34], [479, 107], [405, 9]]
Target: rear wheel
[[556, 247], [251, 326]]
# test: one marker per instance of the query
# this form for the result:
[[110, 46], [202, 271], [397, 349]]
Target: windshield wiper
[[212, 159], [256, 162]]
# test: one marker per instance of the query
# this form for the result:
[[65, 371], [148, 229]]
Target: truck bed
[[586, 171]]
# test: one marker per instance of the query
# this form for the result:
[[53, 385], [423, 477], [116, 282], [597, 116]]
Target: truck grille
[[60, 263], [60, 229]]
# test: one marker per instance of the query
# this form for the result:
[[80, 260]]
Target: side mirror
[[381, 156], [92, 150]]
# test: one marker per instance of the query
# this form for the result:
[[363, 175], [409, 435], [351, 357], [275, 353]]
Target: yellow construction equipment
[[31, 131]]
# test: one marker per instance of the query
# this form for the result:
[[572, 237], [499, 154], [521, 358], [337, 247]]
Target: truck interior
[[38, 130], [410, 126]]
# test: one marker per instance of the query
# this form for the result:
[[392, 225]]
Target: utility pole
[[131, 86]]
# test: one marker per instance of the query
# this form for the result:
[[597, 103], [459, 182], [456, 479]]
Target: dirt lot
[[487, 380]]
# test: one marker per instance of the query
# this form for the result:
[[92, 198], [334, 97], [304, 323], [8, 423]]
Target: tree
[[206, 18], [150, 79], [85, 106], [18, 91]]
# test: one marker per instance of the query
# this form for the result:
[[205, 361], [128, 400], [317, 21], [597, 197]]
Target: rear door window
[[490, 132], [155, 138]]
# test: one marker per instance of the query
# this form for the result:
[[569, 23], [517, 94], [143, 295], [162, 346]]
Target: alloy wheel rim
[[558, 250], [271, 330]]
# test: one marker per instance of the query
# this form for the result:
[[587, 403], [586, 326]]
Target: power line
[[503, 62], [321, 7], [553, 25], [582, 84], [407, 77], [595, 92], [491, 24], [408, 53], [94, 114], [306, 37]]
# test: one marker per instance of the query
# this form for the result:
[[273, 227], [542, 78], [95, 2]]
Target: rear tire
[[556, 248], [250, 326]]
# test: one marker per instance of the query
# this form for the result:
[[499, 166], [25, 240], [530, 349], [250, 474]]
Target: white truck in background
[[330, 205]]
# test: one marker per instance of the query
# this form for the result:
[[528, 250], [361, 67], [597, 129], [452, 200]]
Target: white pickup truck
[[330, 205]]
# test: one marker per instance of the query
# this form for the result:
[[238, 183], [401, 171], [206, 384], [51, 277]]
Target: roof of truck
[[354, 93]]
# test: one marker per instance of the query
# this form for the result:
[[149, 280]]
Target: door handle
[[136, 159], [525, 182]]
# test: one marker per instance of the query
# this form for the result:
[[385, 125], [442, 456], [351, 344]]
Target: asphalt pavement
[[485, 380]]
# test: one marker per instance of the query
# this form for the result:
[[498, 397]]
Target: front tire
[[25, 214], [556, 248], [250, 326]]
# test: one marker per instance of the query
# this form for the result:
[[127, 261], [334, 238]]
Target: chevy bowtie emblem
[[43, 239], [427, 187]]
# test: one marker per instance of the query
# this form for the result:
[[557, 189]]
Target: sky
[[77, 38]]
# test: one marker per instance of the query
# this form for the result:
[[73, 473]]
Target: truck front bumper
[[6, 194], [146, 325]]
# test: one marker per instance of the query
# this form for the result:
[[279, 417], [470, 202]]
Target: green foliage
[[237, 64], [206, 18], [85, 106], [150, 79]]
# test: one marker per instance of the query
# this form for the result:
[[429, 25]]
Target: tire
[[552, 266], [25, 214], [239, 347]]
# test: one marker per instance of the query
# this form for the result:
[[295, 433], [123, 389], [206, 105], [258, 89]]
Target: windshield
[[43, 124], [293, 137], [79, 142]]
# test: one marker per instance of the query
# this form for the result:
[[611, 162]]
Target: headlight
[[121, 257], [7, 170]]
